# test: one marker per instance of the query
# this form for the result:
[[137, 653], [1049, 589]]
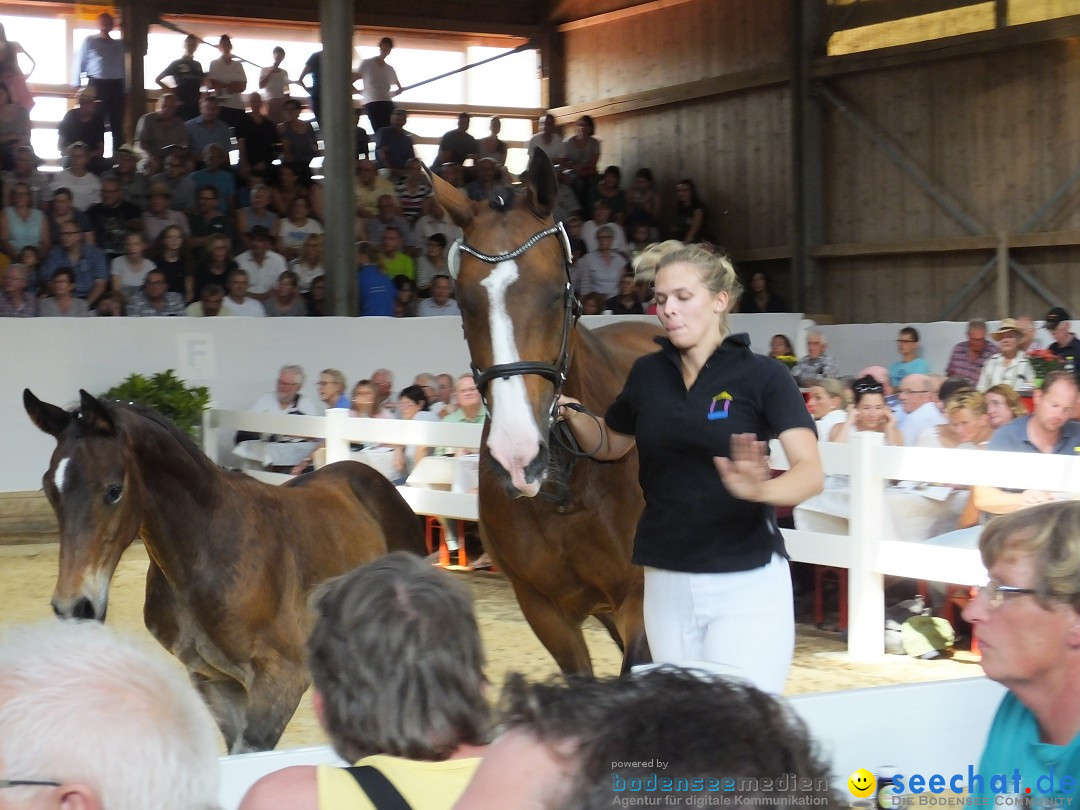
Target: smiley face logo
[[862, 783]]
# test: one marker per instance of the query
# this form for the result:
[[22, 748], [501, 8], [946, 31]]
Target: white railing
[[870, 465], [868, 557], [338, 429]]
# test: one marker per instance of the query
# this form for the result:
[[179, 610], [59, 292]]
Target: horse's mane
[[156, 417]]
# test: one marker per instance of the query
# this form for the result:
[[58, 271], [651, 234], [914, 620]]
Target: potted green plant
[[169, 395]]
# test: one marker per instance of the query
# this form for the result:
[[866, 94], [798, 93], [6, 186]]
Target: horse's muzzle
[[525, 481], [82, 609]]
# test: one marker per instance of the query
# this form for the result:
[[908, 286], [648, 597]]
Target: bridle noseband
[[555, 372]]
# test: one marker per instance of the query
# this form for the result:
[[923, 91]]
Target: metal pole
[[339, 154]]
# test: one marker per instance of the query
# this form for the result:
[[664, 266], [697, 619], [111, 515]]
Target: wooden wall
[[736, 147], [997, 131]]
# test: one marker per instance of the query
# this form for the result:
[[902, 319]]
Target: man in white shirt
[[278, 452], [377, 78], [85, 187], [261, 264], [919, 402], [548, 140], [440, 302], [238, 301]]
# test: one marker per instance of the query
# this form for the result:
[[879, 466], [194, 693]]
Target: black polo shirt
[[1069, 354], [691, 523]]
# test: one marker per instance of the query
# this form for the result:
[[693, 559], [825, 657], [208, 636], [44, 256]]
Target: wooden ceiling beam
[[873, 12]]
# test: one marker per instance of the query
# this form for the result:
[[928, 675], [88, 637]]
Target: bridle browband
[[555, 373]]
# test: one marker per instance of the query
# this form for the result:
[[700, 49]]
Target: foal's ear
[[95, 418], [457, 205], [543, 186], [49, 418]]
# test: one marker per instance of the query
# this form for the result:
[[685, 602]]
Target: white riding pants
[[740, 624]]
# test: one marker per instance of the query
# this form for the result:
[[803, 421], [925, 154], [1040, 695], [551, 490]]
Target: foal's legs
[[275, 693], [227, 702]]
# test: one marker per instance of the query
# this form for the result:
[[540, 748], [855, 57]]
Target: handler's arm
[[746, 473], [592, 432], [806, 476]]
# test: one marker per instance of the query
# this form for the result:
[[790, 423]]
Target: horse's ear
[[49, 418], [457, 205], [95, 417], [543, 187]]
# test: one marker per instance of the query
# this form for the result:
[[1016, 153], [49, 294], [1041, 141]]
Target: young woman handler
[[701, 411]]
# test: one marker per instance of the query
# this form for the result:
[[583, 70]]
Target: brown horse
[[571, 559], [232, 560]]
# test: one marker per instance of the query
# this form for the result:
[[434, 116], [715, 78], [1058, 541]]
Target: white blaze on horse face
[[96, 589], [514, 437], [60, 472]]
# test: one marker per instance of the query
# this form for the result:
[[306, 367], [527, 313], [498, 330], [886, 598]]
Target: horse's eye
[[113, 493]]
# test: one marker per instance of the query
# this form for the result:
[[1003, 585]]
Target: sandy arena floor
[[28, 573]]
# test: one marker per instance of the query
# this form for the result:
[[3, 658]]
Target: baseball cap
[[1056, 316]]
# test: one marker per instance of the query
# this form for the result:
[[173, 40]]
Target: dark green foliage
[[168, 394]]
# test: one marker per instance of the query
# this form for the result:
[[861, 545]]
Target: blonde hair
[[966, 399], [834, 388], [336, 376], [1012, 399], [715, 269], [1050, 534]]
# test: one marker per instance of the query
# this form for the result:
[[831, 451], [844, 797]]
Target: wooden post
[[1002, 286], [339, 154], [552, 68], [807, 175], [136, 26]]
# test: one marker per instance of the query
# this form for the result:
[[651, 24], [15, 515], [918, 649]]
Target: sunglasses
[[869, 388]]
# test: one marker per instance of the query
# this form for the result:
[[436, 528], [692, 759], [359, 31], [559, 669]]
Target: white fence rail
[[338, 429], [870, 465]]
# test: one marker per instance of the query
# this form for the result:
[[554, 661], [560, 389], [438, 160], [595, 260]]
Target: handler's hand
[[566, 413], [748, 468]]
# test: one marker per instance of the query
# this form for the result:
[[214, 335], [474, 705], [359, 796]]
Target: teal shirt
[[1013, 745], [900, 369]]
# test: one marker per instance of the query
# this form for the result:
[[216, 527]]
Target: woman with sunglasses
[[869, 412]]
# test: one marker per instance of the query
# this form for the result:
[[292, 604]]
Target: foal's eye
[[113, 493]]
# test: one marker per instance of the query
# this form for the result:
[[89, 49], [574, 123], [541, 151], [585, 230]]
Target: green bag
[[927, 636]]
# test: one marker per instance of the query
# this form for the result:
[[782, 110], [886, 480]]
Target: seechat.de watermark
[[971, 789]]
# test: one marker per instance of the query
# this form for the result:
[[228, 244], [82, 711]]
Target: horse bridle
[[555, 372]]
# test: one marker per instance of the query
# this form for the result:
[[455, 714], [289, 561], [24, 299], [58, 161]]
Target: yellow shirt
[[367, 199], [424, 785]]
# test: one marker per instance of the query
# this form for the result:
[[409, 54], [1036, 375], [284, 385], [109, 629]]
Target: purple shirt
[[962, 364]]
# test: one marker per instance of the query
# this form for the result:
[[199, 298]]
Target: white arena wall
[[238, 358]]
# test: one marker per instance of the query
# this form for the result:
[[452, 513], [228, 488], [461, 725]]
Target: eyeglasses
[[906, 340], [903, 391], [4, 783], [290, 384], [996, 593]]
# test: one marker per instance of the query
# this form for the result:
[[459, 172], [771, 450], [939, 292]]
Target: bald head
[[915, 391]]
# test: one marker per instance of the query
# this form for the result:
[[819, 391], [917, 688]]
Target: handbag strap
[[383, 794]]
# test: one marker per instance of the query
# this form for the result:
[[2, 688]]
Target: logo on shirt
[[718, 408]]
